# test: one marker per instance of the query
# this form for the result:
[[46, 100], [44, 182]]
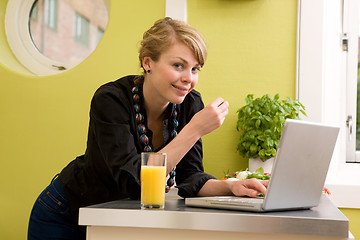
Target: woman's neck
[[155, 107]]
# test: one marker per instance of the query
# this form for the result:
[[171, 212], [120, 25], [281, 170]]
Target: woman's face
[[173, 76]]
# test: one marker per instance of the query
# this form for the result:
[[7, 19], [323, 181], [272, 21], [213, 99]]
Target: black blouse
[[110, 168]]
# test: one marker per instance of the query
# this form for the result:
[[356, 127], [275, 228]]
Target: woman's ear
[[146, 63]]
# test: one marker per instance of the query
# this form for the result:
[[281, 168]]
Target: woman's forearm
[[249, 187], [215, 187], [180, 145], [202, 123]]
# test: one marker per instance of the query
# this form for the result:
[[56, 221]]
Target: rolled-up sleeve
[[190, 172]]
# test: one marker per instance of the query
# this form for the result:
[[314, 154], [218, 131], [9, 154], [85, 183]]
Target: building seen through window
[[50, 13], [82, 26], [67, 30]]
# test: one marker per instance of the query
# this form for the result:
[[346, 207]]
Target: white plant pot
[[255, 163]]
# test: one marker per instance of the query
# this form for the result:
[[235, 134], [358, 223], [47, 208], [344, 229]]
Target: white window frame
[[321, 87], [21, 44], [176, 9], [351, 16]]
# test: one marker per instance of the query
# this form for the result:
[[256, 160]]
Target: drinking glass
[[153, 180]]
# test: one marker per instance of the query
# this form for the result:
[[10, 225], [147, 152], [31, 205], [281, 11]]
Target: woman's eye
[[195, 70], [177, 65]]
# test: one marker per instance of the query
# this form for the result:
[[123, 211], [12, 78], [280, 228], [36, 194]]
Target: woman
[[158, 111]]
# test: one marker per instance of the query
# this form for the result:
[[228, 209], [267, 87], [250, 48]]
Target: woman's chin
[[177, 100]]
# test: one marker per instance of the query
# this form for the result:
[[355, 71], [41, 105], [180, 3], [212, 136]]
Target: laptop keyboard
[[241, 200]]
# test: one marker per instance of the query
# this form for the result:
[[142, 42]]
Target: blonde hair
[[162, 35]]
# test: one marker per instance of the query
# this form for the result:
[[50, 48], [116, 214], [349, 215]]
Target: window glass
[[34, 11], [67, 30], [100, 34], [82, 30], [50, 13]]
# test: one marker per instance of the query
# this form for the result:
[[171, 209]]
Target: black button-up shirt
[[110, 168]]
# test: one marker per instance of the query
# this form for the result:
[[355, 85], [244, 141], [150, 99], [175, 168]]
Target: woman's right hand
[[211, 117], [248, 187], [203, 122]]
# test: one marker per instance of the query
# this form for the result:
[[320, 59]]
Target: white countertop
[[323, 220]]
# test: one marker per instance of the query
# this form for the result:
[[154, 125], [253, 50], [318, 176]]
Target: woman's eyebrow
[[181, 59], [185, 61]]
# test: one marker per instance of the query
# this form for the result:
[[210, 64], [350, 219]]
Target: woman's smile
[[182, 90]]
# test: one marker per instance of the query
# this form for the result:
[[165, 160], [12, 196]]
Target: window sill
[[344, 185]]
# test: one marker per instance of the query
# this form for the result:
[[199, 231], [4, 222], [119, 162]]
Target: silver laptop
[[298, 174]]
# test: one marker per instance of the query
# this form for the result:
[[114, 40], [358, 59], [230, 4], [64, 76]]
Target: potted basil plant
[[260, 123]]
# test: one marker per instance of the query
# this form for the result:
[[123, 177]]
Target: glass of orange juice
[[153, 177]]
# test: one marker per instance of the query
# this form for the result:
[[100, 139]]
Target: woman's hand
[[203, 122], [211, 117], [248, 187]]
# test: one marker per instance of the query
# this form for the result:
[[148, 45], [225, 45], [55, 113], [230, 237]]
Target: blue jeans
[[51, 218]]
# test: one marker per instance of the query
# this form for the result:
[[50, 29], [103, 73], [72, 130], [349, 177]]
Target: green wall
[[44, 120], [252, 45]]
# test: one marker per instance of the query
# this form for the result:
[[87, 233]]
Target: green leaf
[[303, 112], [253, 148], [267, 118], [258, 122], [276, 97], [260, 170]]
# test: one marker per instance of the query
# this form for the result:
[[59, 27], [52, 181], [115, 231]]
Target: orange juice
[[153, 185]]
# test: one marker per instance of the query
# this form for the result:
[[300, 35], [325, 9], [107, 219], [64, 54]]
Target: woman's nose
[[187, 76]]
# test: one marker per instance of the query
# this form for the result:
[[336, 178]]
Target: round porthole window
[[52, 36]]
